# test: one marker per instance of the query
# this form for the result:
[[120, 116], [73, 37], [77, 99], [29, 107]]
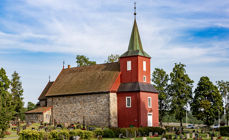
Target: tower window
[[149, 102], [144, 78], [144, 65], [128, 65], [128, 102]]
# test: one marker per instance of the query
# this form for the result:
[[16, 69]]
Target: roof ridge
[[89, 66]]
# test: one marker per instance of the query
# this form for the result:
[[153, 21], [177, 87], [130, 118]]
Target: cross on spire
[[135, 13]]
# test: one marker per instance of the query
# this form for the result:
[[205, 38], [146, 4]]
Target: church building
[[116, 94]]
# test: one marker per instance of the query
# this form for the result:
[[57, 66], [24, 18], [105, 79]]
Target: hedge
[[31, 135], [224, 131], [84, 134]]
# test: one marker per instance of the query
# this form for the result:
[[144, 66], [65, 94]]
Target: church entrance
[[150, 119]]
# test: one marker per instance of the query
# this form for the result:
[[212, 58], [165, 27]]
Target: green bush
[[57, 135], [146, 130], [116, 131], [131, 131], [224, 131], [31, 135], [84, 134], [53, 134], [98, 132], [108, 133]]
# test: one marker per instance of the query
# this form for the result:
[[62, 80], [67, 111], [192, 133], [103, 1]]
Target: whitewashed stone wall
[[96, 109], [113, 110], [47, 116]]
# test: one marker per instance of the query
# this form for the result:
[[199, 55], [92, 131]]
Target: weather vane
[[135, 10]]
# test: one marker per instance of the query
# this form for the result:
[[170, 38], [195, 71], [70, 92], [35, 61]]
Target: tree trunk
[[181, 126], [161, 122], [227, 117]]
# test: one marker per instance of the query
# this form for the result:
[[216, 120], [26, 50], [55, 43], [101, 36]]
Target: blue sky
[[36, 36]]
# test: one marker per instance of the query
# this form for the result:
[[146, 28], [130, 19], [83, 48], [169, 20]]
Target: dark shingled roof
[[38, 110], [42, 96], [136, 86], [86, 79]]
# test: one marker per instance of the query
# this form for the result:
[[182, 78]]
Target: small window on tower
[[144, 78], [128, 102], [128, 65], [144, 65], [149, 102]]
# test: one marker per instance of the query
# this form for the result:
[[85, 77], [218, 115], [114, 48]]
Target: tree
[[82, 60], [207, 103], [30, 106], [180, 90], [112, 58], [6, 107], [160, 82], [223, 87], [17, 93]]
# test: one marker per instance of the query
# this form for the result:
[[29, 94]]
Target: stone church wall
[[113, 110], [94, 109], [34, 118]]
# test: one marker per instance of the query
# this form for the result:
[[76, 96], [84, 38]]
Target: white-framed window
[[128, 65], [128, 102], [144, 78], [149, 102], [144, 65]]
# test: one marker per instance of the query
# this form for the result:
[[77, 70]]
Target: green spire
[[135, 44]]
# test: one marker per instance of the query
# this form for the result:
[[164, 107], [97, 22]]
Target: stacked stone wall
[[34, 118], [94, 109]]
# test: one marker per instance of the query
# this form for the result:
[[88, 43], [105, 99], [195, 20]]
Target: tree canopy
[[207, 103], [82, 60], [6, 105], [180, 91], [31, 106], [160, 82], [17, 93], [112, 58]]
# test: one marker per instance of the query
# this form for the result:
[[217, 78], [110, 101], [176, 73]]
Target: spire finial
[[63, 64], [49, 78], [135, 10]]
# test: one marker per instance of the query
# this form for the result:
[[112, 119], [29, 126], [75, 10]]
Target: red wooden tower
[[137, 98]]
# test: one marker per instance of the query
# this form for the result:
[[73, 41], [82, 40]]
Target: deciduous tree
[[223, 87], [180, 91], [207, 102], [112, 58], [82, 60], [160, 82], [30, 106]]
